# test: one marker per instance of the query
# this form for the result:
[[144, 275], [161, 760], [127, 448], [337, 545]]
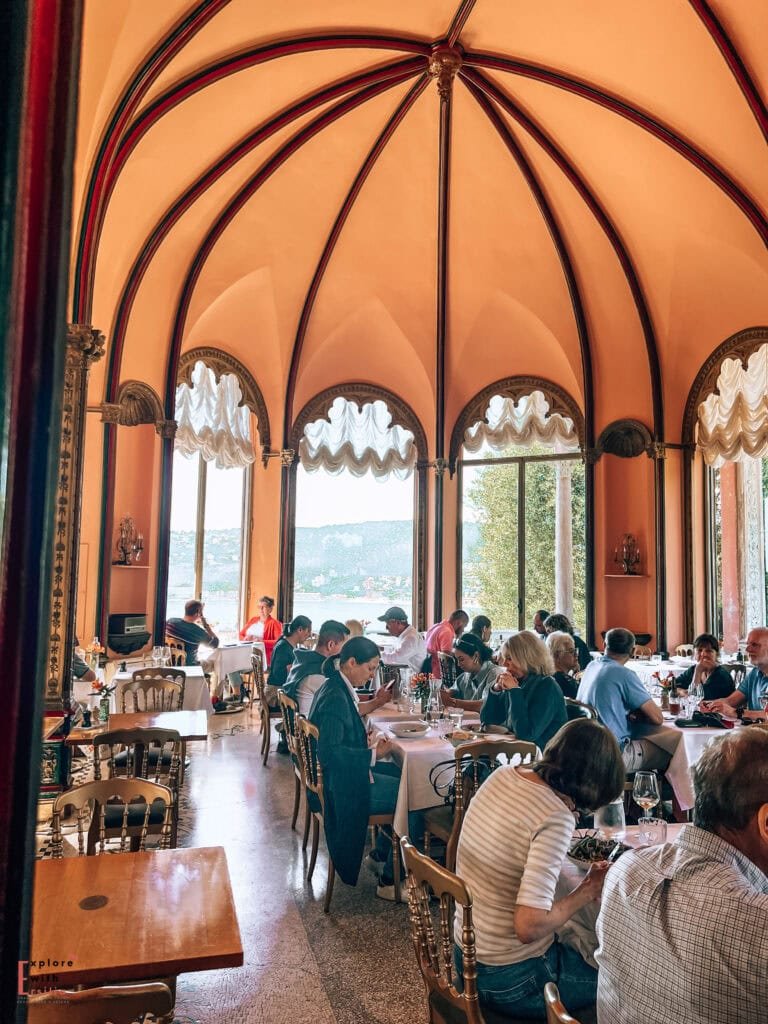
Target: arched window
[[521, 503], [211, 495], [727, 415], [358, 539]]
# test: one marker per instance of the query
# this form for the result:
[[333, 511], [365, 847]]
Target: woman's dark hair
[[299, 622], [268, 601], [559, 623], [583, 761], [479, 623], [706, 640], [471, 644], [358, 647]]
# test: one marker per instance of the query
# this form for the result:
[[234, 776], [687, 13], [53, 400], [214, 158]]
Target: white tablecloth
[[231, 658], [196, 695], [644, 670], [685, 747]]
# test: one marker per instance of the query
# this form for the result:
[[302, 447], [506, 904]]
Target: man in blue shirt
[[616, 692], [754, 686]]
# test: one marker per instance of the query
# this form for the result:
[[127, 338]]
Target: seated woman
[[707, 671], [561, 623], [512, 845], [563, 651], [356, 786], [264, 627], [477, 673], [525, 698]]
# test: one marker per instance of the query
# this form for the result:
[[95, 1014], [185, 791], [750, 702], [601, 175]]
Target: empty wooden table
[[132, 916], [190, 725]]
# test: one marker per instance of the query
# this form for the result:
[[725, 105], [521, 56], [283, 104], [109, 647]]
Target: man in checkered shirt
[[683, 928]]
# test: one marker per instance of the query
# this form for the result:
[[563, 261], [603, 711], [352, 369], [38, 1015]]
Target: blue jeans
[[518, 989]]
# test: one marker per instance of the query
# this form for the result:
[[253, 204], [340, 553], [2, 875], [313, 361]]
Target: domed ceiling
[[426, 196]]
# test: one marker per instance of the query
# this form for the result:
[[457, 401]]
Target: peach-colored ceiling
[[683, 215]]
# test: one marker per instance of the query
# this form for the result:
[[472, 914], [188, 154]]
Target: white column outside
[[563, 540]]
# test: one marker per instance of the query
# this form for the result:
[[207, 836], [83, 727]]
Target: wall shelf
[[119, 565], [624, 576]]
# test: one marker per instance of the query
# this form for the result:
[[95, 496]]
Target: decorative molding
[[739, 346], [221, 363], [515, 388], [627, 439], [84, 346], [443, 66], [318, 408]]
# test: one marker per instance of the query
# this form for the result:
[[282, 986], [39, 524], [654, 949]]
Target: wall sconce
[[627, 554], [130, 543]]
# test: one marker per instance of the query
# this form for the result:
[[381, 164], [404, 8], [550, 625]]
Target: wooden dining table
[[132, 917], [190, 725]]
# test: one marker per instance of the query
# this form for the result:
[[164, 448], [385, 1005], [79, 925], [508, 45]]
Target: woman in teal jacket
[[525, 698]]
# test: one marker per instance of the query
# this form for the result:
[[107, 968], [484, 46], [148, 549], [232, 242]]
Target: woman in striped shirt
[[513, 841]]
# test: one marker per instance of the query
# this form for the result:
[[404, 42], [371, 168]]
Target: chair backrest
[[641, 652], [120, 1004], [153, 754], [737, 673], [684, 650], [176, 675], [124, 791], [448, 669], [289, 710], [178, 650], [153, 694], [580, 709], [257, 668], [475, 761], [556, 1012], [432, 934], [308, 736]]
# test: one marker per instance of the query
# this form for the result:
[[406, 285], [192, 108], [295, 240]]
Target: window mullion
[[200, 527]]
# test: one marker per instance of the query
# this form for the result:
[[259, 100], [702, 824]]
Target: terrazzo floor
[[352, 966]]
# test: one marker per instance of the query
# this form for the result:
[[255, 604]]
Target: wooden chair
[[684, 650], [178, 651], [308, 735], [580, 709], [556, 1012], [267, 714], [120, 1004], [290, 712], [444, 822], [152, 754], [432, 893], [133, 821], [641, 652], [448, 669], [158, 693]]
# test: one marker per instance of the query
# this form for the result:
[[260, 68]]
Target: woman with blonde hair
[[525, 698], [355, 627]]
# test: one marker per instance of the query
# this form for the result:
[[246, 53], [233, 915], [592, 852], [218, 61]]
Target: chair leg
[[296, 799], [267, 738], [329, 887], [315, 842], [396, 863], [307, 816]]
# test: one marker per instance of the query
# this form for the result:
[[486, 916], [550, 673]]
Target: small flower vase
[[104, 709], [665, 700]]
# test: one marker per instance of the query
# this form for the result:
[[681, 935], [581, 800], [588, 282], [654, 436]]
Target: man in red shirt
[[441, 636]]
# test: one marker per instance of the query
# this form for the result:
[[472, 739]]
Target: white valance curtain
[[525, 422], [359, 440], [733, 425], [210, 420]]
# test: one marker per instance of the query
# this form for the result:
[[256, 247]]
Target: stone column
[[84, 346], [563, 540], [751, 554]]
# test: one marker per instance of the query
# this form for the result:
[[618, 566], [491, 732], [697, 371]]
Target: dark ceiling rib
[[460, 19], [605, 222], [559, 242], [212, 174], [733, 59], [240, 199], [130, 98], [322, 265], [636, 116]]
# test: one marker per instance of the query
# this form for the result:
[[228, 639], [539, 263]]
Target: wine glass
[[166, 655], [645, 791], [157, 656], [610, 821]]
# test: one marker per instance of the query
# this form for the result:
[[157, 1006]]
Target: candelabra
[[130, 543], [627, 554]]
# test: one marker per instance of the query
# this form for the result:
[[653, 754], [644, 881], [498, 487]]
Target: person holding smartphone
[[192, 630]]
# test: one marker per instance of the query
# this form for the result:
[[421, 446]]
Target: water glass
[[157, 656], [455, 717], [652, 831], [610, 821], [656, 659], [166, 656]]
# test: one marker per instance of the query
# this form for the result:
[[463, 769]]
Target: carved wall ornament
[[220, 363], [287, 457], [627, 439], [166, 429], [443, 66]]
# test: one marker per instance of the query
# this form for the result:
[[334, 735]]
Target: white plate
[[408, 730]]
